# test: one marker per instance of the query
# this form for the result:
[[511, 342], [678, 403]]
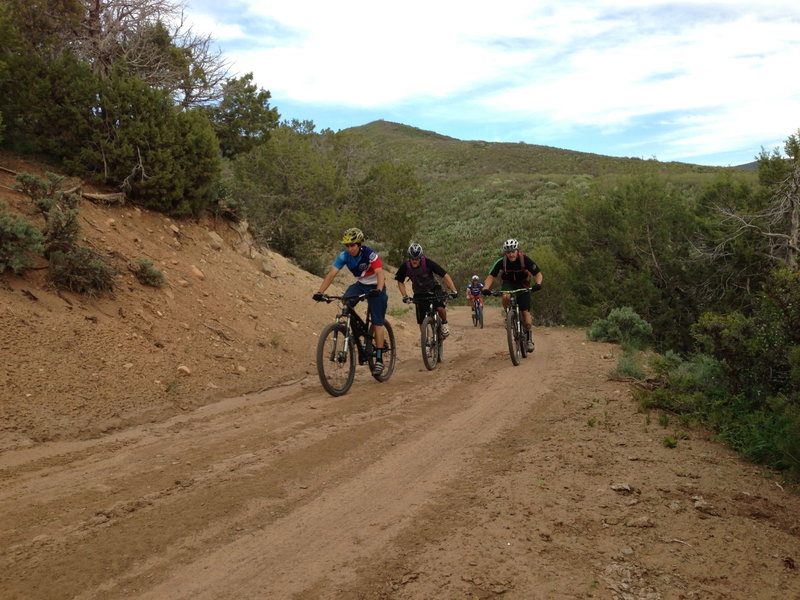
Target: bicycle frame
[[431, 341], [477, 311], [347, 335], [515, 332]]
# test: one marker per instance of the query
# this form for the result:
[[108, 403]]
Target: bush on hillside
[[622, 326], [147, 274], [19, 240], [82, 271], [60, 230]]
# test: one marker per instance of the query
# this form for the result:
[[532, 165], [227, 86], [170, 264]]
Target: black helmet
[[415, 250]]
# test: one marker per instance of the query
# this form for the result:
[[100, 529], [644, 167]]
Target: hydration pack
[[423, 271], [521, 258]]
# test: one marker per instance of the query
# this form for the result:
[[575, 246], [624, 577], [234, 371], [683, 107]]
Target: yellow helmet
[[353, 236]]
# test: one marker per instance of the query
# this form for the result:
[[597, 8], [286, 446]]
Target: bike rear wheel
[[429, 344], [512, 326], [336, 363], [389, 352]]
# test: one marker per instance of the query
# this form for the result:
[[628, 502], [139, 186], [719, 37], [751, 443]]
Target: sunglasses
[[350, 245], [510, 251]]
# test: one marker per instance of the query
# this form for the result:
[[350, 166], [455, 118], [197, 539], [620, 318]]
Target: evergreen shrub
[[19, 240], [622, 326], [148, 274], [82, 271]]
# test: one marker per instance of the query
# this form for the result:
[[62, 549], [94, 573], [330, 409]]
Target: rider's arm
[[381, 275], [328, 278], [533, 269], [488, 283], [402, 287], [449, 281]]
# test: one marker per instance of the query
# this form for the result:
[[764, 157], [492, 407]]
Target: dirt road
[[476, 480]]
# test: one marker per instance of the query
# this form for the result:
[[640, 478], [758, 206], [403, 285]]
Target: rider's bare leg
[[379, 336]]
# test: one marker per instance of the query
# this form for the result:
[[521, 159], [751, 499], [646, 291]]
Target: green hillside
[[479, 193]]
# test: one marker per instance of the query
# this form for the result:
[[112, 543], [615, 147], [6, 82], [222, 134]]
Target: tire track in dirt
[[147, 476], [478, 478]]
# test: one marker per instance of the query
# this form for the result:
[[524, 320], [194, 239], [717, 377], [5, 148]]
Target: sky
[[709, 83]]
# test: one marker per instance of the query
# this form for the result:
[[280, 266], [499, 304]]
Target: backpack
[[522, 262], [423, 267]]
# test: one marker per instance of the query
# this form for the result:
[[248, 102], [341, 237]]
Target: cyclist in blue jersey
[[367, 267], [515, 271], [474, 291]]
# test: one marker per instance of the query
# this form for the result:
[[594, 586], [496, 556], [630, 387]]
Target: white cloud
[[598, 63]]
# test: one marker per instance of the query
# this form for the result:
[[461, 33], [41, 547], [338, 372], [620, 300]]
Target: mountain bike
[[515, 332], [477, 312], [431, 340], [346, 338]]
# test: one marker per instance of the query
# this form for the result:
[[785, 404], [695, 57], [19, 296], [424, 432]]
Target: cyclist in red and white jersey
[[367, 267]]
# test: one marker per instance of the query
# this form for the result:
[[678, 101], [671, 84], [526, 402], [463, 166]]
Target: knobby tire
[[511, 335], [428, 344], [336, 363]]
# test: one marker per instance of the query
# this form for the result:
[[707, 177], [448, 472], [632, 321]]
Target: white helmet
[[510, 245], [415, 250], [474, 278]]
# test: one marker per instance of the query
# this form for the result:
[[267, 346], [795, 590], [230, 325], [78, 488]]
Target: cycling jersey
[[518, 270], [422, 278], [475, 289], [362, 265]]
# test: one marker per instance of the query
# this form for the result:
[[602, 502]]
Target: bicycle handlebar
[[328, 299], [428, 298], [504, 292]]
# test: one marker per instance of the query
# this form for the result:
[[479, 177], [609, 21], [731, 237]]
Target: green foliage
[[161, 158], [82, 271], [293, 196], [391, 195], [621, 326], [628, 367], [774, 167], [745, 380], [147, 274], [61, 230], [243, 119], [19, 239], [47, 104], [196, 156], [629, 245], [42, 192]]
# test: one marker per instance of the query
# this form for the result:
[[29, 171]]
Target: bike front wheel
[[429, 343], [336, 363], [480, 316], [512, 327], [389, 352]]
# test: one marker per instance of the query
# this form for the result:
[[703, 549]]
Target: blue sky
[[710, 83]]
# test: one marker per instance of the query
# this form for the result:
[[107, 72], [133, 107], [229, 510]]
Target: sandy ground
[[123, 476]]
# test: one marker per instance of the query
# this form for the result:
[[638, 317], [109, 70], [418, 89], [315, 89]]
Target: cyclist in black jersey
[[421, 270], [515, 271]]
